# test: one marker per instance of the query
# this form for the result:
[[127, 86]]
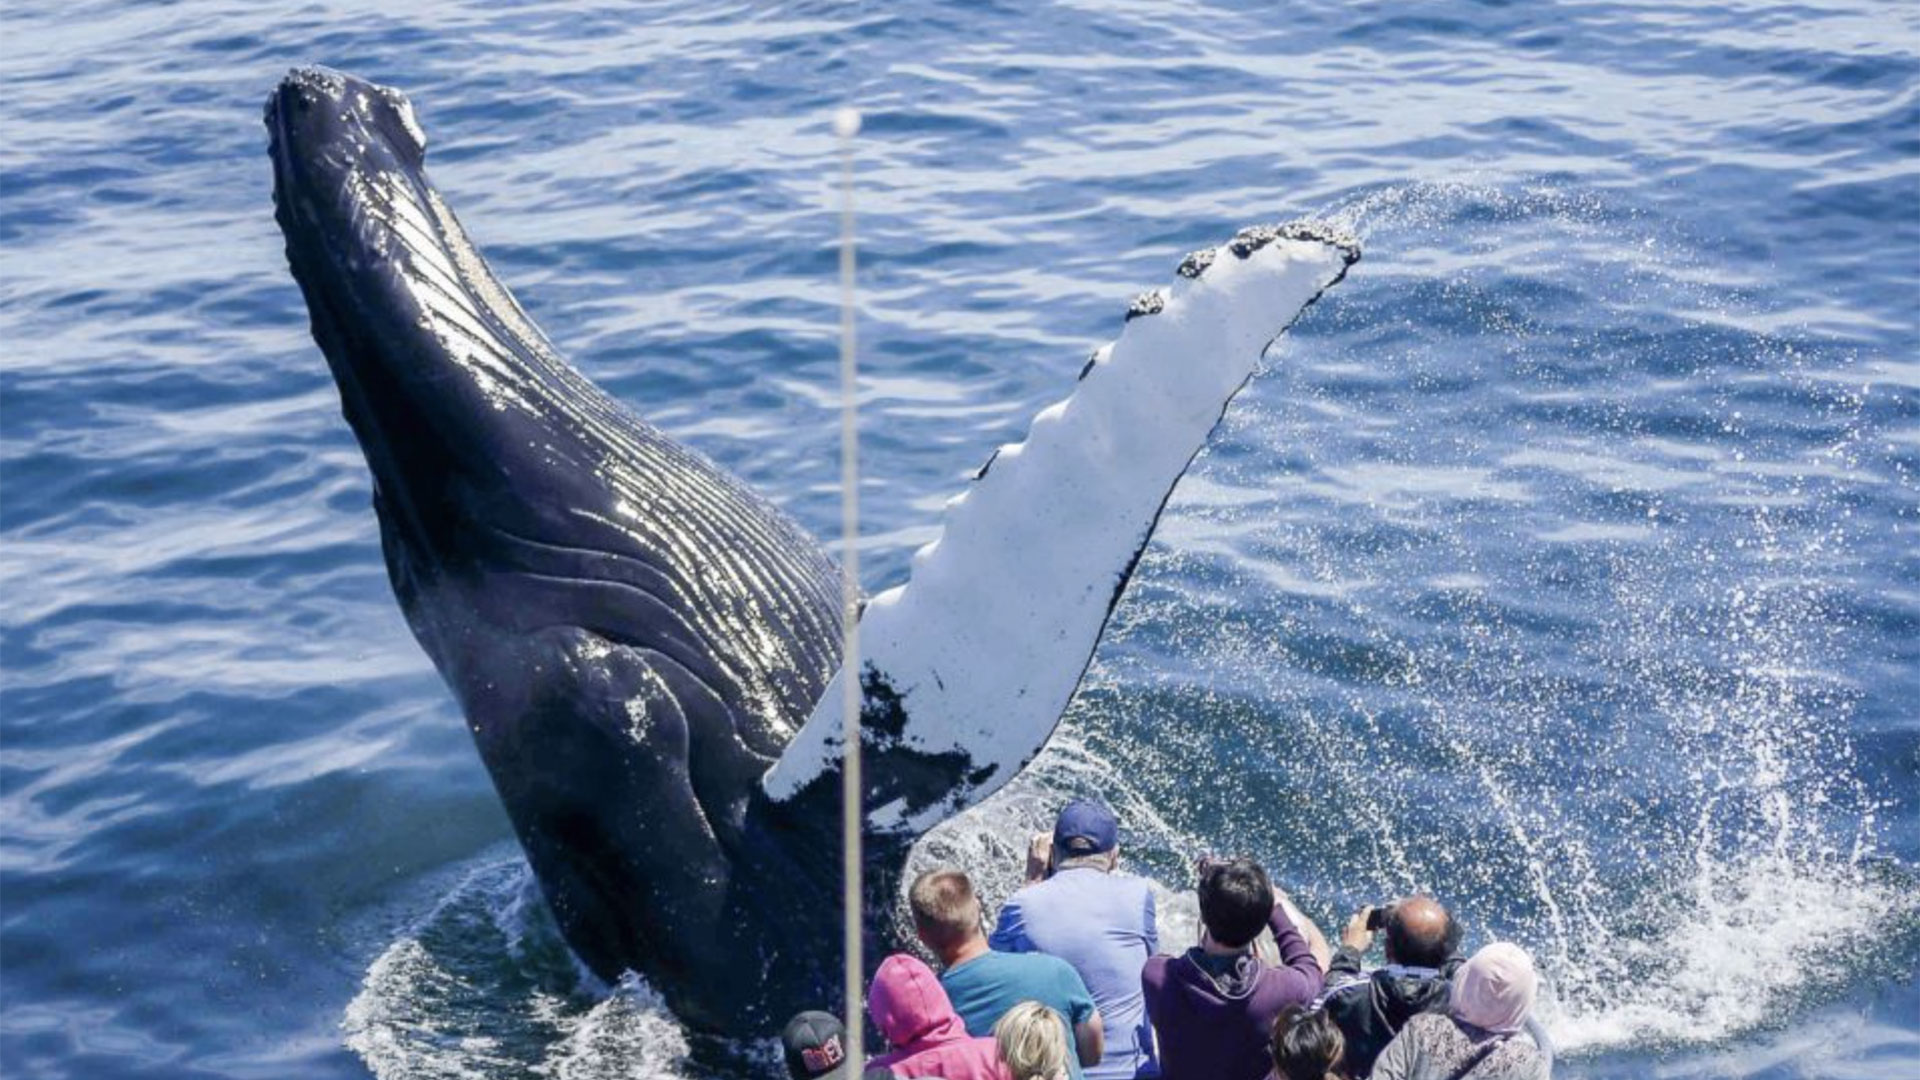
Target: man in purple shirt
[[1213, 1008], [1102, 923]]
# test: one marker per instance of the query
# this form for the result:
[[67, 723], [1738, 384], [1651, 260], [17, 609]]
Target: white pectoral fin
[[968, 667]]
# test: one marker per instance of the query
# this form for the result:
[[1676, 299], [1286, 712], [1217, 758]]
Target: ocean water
[[1562, 562]]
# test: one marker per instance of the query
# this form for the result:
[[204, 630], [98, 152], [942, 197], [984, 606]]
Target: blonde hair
[[1033, 1042], [946, 913]]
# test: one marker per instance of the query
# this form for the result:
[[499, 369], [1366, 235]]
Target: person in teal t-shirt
[[984, 984]]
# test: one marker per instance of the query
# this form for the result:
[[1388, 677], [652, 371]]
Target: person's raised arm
[[1300, 975], [1039, 857], [1349, 959], [1316, 941]]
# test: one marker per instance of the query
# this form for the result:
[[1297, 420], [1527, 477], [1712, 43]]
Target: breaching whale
[[643, 648]]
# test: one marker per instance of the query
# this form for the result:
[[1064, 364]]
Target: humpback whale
[[646, 651]]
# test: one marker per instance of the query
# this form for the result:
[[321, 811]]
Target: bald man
[[1423, 951]]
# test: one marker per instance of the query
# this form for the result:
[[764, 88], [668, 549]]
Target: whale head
[[491, 456], [442, 379]]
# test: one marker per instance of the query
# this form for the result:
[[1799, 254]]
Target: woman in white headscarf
[[1475, 1038]]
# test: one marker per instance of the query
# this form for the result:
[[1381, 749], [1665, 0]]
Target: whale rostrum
[[646, 650]]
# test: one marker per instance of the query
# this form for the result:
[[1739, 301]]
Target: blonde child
[[1033, 1042]]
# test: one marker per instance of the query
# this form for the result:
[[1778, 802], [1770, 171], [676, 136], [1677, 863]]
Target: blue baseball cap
[[1085, 827]]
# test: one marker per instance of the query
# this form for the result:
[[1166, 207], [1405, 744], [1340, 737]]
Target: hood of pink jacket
[[909, 1005]]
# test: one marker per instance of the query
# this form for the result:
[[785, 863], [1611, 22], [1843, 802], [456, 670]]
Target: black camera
[[1377, 917]]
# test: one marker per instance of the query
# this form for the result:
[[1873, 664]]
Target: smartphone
[[1377, 918]]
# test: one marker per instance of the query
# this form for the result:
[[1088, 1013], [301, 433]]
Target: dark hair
[[1235, 900], [1422, 943], [1307, 1045], [945, 911]]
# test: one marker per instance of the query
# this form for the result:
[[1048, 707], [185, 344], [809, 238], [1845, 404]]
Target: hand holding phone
[[1039, 857], [1358, 933]]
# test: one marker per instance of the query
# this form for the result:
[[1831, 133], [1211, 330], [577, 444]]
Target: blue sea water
[[1563, 562]]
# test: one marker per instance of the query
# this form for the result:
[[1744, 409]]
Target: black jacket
[[1371, 1008]]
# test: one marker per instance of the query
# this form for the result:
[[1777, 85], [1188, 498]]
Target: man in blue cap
[[1077, 907]]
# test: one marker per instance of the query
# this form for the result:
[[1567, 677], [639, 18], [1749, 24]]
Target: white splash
[[481, 987]]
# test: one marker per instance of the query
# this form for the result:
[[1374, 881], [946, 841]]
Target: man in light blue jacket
[[1077, 907]]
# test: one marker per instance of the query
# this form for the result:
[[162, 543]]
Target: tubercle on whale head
[[331, 137], [317, 113]]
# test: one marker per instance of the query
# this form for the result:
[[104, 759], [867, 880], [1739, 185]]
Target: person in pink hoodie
[[911, 1009]]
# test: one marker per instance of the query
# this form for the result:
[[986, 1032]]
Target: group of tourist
[[1071, 985]]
